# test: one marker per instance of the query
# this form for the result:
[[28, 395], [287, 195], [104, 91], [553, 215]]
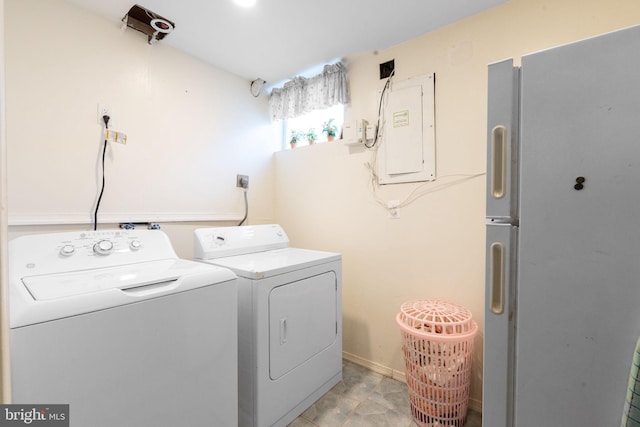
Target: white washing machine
[[289, 319], [115, 325]]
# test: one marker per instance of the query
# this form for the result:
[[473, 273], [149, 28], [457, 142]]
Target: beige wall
[[436, 248]]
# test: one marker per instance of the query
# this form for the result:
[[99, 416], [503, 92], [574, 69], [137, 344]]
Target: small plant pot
[[312, 141], [330, 138], [293, 144]]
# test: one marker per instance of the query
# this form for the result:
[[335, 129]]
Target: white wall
[[191, 128], [436, 249]]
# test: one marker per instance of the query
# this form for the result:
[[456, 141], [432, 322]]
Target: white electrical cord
[[418, 192]]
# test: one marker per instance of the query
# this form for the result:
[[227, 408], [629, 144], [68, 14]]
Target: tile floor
[[365, 399]]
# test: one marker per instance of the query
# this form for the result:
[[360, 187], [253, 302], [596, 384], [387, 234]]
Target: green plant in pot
[[329, 129], [296, 135], [312, 136]]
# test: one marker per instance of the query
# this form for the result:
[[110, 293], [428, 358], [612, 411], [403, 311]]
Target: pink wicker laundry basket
[[437, 342]]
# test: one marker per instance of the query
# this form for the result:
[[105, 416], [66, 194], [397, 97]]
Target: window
[[307, 103], [313, 120]]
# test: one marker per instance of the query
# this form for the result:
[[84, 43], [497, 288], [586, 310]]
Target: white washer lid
[[36, 299], [124, 277], [260, 265]]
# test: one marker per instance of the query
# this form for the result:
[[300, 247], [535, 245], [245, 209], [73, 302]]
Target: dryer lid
[[272, 263]]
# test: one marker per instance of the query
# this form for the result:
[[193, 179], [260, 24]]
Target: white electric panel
[[407, 150]]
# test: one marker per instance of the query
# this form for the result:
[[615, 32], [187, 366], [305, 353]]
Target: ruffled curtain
[[302, 95]]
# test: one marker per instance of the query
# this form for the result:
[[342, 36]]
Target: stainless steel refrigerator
[[562, 307]]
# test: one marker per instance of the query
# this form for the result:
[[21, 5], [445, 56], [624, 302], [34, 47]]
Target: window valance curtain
[[302, 95]]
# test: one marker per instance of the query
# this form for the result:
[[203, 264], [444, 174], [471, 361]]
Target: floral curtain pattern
[[302, 95]]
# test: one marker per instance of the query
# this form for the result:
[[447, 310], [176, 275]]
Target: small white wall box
[[153, 25], [354, 132]]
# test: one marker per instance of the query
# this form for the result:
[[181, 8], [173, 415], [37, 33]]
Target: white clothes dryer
[[114, 324], [289, 319]]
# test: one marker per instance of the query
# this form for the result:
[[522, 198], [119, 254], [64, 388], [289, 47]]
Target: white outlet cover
[[103, 110]]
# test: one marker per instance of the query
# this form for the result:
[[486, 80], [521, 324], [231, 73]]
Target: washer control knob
[[67, 250], [103, 247], [219, 240], [135, 245]]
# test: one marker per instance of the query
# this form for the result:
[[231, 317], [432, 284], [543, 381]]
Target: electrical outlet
[[393, 207], [103, 110], [242, 181]]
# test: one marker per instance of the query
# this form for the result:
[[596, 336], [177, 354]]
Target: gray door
[[302, 321], [578, 309]]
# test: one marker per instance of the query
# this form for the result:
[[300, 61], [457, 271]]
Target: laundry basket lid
[[436, 318]]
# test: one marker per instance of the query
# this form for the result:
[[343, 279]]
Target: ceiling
[[278, 39]]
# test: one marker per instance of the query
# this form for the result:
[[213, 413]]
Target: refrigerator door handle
[[496, 277], [498, 161], [499, 324]]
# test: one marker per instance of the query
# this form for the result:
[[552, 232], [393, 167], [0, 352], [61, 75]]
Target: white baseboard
[[375, 367], [474, 404]]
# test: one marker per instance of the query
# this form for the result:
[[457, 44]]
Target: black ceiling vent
[[147, 22]]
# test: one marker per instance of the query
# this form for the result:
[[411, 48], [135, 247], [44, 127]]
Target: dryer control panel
[[219, 242]]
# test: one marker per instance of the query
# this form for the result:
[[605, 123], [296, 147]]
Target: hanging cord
[[421, 190], [246, 207], [104, 152], [384, 89]]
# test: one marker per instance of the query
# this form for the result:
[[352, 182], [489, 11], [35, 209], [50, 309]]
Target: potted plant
[[296, 135], [329, 129], [312, 136]]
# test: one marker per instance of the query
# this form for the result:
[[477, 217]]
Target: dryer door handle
[[283, 331]]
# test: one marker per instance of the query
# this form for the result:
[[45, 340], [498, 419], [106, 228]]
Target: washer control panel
[[69, 251], [99, 243]]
